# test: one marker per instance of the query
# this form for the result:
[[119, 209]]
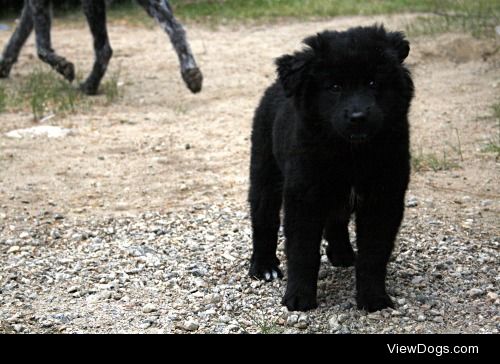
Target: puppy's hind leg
[[265, 204], [16, 42], [339, 250], [95, 12], [42, 21]]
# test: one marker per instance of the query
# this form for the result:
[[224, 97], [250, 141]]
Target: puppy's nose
[[357, 117]]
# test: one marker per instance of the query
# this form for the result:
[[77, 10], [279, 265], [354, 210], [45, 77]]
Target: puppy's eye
[[335, 88], [372, 84]]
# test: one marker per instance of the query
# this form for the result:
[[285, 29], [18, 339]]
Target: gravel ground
[[187, 272]]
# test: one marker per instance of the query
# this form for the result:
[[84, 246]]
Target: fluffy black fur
[[330, 138]]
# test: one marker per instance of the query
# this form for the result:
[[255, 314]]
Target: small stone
[[417, 280], [72, 289], [421, 318], [374, 316], [24, 235], [492, 296], [13, 249], [101, 296], [412, 202], [149, 307], [55, 234], [302, 325], [475, 292], [92, 298], [334, 323], [213, 298], [292, 320], [190, 325], [342, 317], [145, 325]]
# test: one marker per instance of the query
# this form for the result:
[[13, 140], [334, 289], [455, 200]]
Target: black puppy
[[330, 138]]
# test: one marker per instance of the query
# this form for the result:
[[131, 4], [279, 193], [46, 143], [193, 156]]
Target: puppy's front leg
[[304, 221], [377, 223]]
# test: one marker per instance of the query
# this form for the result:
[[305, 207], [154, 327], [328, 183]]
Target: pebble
[[412, 202], [101, 296], [149, 307], [292, 319], [475, 292], [492, 296], [417, 280], [13, 249], [334, 324], [302, 325], [190, 325], [72, 289]]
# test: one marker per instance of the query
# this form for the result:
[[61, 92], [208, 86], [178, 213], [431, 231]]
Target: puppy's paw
[[299, 301], [372, 303], [265, 271], [341, 259]]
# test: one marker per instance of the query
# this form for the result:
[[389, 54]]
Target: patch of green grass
[[493, 145], [270, 9], [432, 162], [478, 17], [3, 98], [265, 326], [46, 92], [130, 13], [496, 111], [110, 87]]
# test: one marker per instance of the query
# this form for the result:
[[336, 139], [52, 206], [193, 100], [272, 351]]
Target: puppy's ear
[[317, 42], [399, 44], [291, 72]]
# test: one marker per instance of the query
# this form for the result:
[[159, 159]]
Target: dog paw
[[341, 260], [193, 79], [299, 301], [266, 272], [372, 303]]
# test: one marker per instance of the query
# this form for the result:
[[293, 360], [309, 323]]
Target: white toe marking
[[275, 274], [267, 276]]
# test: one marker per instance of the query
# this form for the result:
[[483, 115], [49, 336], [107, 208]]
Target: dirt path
[[162, 149]]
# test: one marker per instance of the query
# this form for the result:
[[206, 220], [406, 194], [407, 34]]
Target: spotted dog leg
[[16, 42], [95, 12], [161, 11], [42, 22]]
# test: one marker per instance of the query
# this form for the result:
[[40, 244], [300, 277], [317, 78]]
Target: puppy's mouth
[[358, 137]]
